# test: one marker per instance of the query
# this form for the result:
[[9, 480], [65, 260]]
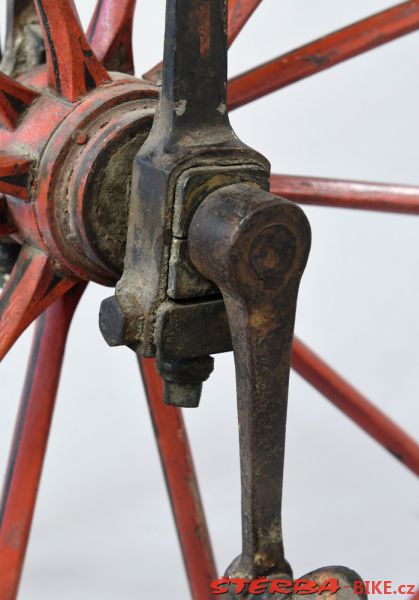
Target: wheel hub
[[83, 155]]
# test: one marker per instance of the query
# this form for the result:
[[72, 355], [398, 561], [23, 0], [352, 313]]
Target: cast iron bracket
[[191, 152]]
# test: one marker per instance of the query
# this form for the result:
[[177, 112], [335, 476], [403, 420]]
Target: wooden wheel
[[73, 118]]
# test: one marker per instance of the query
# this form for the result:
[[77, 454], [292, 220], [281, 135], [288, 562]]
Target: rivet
[[80, 137]]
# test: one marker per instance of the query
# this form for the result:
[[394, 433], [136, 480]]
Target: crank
[[214, 262]]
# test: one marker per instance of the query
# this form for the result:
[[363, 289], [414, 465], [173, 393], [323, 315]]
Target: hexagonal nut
[[121, 320]]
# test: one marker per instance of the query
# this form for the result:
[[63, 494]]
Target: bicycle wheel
[[84, 106]]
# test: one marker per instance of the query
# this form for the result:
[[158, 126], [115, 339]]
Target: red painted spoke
[[6, 228], [73, 69], [14, 176], [324, 53], [34, 284], [182, 484], [239, 12], [347, 194], [110, 34], [154, 74], [355, 406], [30, 440], [14, 100]]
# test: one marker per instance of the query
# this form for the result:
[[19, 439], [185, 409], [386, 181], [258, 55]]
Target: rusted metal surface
[[324, 53], [360, 410], [30, 439], [110, 34], [254, 248], [191, 138], [342, 193], [239, 12], [177, 463], [190, 210]]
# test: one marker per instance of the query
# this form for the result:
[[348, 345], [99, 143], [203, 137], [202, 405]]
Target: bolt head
[[80, 137], [121, 320]]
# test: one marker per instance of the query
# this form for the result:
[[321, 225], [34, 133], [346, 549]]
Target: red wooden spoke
[[6, 228], [14, 100], [14, 176], [30, 440], [110, 34], [239, 12], [73, 69], [182, 484], [154, 74], [34, 284], [355, 406], [324, 53], [347, 194]]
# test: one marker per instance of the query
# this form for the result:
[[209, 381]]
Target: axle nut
[[121, 320], [183, 380]]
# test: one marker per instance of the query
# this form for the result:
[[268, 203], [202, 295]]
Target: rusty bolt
[[121, 320], [182, 395], [80, 137], [183, 380]]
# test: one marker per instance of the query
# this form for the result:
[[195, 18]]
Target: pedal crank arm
[[254, 247]]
